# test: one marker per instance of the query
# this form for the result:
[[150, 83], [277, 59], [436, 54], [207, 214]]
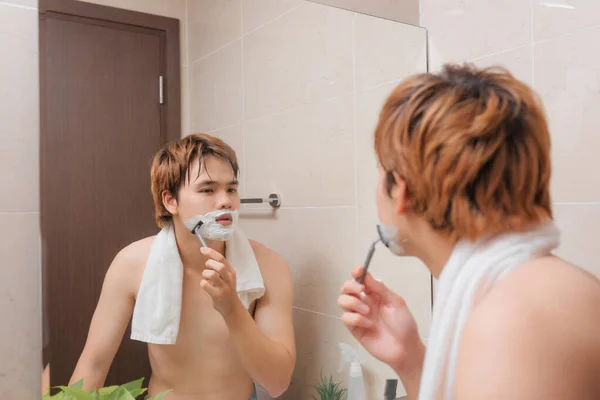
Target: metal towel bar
[[274, 200]]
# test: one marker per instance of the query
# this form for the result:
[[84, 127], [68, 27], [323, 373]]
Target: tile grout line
[[577, 203], [355, 127], [187, 70], [270, 21], [532, 41], [319, 208], [223, 128], [561, 35], [241, 36], [316, 312], [212, 53], [427, 51], [354, 119], [299, 107], [243, 122], [497, 53]]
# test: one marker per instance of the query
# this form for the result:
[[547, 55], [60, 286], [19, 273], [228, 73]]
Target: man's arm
[[108, 325], [266, 344]]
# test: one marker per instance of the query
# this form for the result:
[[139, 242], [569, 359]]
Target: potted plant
[[327, 389], [128, 391]]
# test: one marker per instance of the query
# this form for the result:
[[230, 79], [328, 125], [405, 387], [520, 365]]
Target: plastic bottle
[[356, 383]]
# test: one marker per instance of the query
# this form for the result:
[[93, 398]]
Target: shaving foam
[[210, 228], [390, 237]]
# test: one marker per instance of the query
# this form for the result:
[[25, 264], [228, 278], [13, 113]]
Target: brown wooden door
[[102, 121]]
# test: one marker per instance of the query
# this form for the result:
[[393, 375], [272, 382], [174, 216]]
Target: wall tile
[[234, 137], [466, 29], [368, 106], [317, 339], [306, 154], [19, 131], [20, 302], [387, 51], [185, 103], [518, 61], [216, 89], [302, 58], [406, 11], [212, 25], [256, 13], [579, 232], [567, 76], [555, 17], [318, 244]]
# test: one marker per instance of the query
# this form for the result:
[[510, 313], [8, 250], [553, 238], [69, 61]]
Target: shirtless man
[[221, 350], [464, 185]]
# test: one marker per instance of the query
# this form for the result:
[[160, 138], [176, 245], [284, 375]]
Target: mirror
[[293, 86]]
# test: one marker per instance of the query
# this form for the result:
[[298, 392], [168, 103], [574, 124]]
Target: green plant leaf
[[115, 394], [327, 389], [135, 393], [76, 393], [133, 385], [127, 396], [78, 384], [57, 396], [105, 391], [160, 395]]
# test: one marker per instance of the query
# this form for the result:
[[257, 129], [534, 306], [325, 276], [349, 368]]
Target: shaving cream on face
[[211, 229], [390, 238]]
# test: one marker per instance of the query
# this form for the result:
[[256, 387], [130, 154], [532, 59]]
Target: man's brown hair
[[171, 165], [472, 146]]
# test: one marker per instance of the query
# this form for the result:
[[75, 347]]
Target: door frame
[[171, 70]]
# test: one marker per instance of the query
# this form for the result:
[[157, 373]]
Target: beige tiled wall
[[406, 11], [299, 105], [555, 46], [20, 272]]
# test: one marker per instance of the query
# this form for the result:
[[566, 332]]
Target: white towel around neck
[[471, 271], [158, 305]]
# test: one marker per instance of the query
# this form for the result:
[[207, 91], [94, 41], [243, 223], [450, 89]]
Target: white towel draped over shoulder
[[471, 271], [158, 304]]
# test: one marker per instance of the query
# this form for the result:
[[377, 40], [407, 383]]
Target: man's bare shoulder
[[130, 262], [548, 285], [272, 265], [549, 292], [136, 252], [546, 309]]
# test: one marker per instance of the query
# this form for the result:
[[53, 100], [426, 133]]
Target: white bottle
[[356, 383]]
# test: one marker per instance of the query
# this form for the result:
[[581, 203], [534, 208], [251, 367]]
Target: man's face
[[385, 205], [214, 188]]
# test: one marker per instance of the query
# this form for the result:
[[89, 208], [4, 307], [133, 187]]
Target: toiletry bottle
[[356, 383], [390, 389]]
